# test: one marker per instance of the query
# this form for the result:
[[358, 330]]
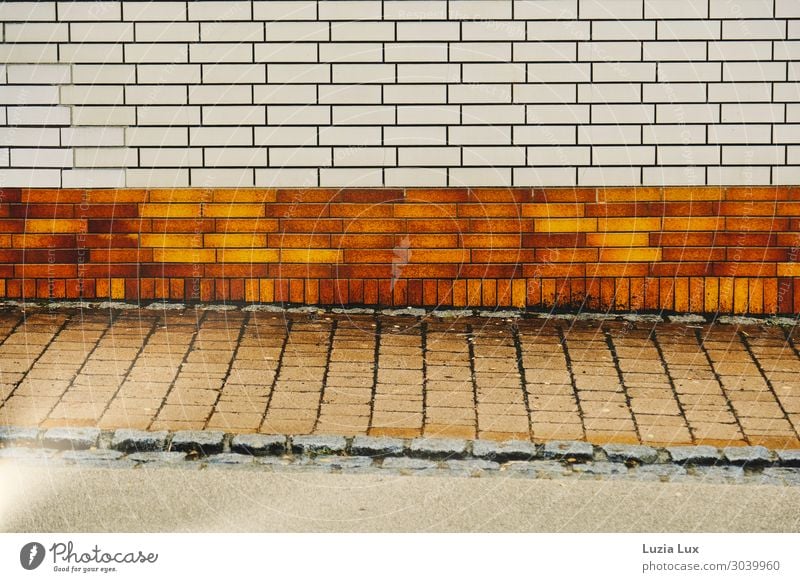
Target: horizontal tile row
[[682, 294], [421, 176], [48, 42], [469, 10], [41, 155]]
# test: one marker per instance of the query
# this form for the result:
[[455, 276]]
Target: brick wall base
[[707, 249]]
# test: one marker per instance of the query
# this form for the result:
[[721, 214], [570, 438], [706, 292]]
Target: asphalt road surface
[[87, 499]]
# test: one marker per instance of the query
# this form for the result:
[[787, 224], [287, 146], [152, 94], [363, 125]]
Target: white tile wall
[[399, 93]]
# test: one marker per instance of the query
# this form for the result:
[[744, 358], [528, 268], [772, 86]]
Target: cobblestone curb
[[442, 313], [421, 456]]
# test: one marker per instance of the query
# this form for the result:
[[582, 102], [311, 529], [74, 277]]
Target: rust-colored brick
[[734, 250]]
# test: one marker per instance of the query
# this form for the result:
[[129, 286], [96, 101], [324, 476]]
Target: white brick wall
[[371, 92]]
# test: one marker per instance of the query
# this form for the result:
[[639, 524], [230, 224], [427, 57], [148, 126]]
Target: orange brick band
[[730, 250]]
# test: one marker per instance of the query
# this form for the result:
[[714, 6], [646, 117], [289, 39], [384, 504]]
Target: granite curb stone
[[789, 458], [71, 438], [229, 459], [439, 449], [22, 453], [641, 454], [158, 457], [578, 450], [405, 464], [474, 467], [504, 451], [198, 441], [345, 463], [695, 455], [18, 434], [131, 440], [91, 455], [318, 445], [377, 446], [747, 455], [258, 444]]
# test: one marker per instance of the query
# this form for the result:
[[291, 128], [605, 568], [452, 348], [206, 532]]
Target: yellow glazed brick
[[184, 255], [266, 290], [55, 226], [244, 195], [711, 294], [171, 240], [310, 256], [179, 195], [247, 255], [726, 294], [629, 224], [233, 210], [694, 223], [693, 193], [740, 295], [788, 269], [251, 290], [565, 225], [439, 256], [618, 239], [114, 196], [237, 241], [630, 255], [518, 293], [170, 210], [117, 288], [545, 210], [629, 194]]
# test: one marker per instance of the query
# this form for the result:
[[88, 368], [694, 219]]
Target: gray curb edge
[[440, 312], [206, 444]]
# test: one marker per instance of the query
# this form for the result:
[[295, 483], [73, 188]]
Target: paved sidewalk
[[604, 381]]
